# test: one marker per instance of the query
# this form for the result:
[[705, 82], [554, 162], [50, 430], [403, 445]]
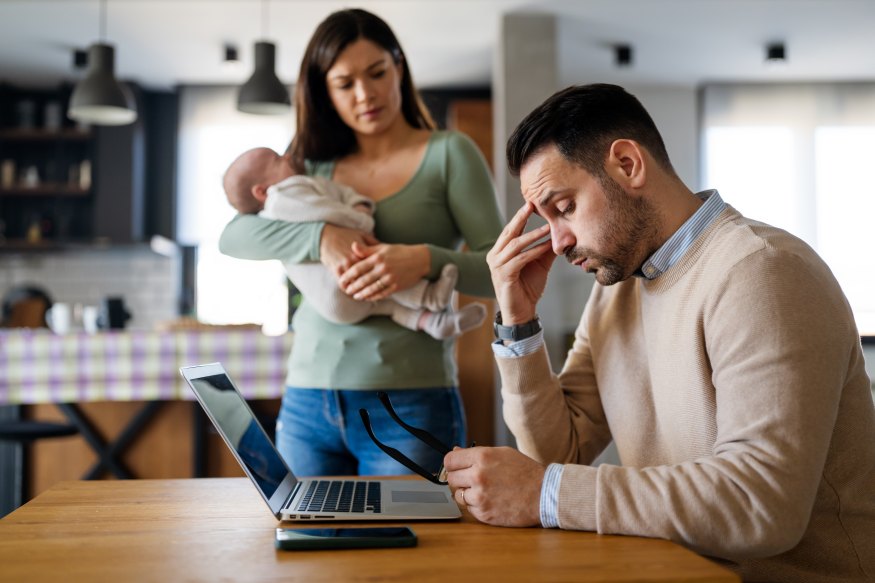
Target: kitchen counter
[[42, 367]]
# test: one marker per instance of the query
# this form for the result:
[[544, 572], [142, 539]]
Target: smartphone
[[344, 538]]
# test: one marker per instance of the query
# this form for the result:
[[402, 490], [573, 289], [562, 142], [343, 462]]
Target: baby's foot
[[438, 294], [448, 324]]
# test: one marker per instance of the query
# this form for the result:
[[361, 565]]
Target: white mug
[[89, 318], [59, 318]]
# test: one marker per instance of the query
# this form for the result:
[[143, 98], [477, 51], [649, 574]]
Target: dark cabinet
[[46, 163], [61, 183]]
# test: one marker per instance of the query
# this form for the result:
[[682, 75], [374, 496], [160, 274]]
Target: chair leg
[[11, 489], [24, 476]]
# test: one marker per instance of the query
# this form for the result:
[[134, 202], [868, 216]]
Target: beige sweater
[[735, 390]]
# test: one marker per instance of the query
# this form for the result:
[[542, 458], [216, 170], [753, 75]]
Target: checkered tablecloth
[[37, 366]]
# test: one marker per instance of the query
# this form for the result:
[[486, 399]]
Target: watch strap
[[515, 332]]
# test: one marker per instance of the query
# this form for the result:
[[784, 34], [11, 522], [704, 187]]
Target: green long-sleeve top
[[449, 200]]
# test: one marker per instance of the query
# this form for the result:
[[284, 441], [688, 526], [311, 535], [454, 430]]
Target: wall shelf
[[46, 190], [41, 135]]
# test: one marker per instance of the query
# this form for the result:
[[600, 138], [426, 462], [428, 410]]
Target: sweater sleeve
[[779, 336], [555, 418], [471, 199], [252, 237]]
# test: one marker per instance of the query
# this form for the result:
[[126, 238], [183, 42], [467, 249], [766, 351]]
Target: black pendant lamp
[[264, 93], [98, 98]]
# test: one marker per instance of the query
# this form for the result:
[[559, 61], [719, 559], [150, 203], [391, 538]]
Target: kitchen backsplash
[[148, 282]]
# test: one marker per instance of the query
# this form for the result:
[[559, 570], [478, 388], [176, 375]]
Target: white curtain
[[212, 133], [798, 156]]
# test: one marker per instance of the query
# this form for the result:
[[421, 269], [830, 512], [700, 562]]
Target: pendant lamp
[[98, 98], [264, 93]]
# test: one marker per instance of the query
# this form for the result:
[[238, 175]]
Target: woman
[[361, 123]]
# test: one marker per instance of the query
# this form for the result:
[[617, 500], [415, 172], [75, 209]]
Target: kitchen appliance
[[113, 314]]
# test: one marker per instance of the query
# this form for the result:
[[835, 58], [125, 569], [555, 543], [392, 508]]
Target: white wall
[[149, 283]]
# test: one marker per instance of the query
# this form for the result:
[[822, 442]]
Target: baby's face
[[275, 167]]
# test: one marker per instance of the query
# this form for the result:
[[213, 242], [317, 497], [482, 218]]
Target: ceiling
[[449, 43]]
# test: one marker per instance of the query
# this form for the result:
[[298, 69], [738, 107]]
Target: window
[[793, 156], [212, 134]]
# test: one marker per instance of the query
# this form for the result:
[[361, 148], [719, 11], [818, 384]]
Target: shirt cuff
[[550, 496], [519, 348]]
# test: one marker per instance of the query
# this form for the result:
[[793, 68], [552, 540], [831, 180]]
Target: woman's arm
[[252, 237], [471, 197]]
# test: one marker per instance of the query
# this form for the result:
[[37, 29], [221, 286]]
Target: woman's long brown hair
[[321, 134]]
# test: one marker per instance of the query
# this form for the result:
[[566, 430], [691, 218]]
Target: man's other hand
[[499, 485]]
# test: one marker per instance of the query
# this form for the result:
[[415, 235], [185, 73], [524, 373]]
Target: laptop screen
[[238, 425]]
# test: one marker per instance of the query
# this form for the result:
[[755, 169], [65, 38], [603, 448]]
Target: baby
[[261, 181]]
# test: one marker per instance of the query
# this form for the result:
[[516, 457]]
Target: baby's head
[[248, 177]]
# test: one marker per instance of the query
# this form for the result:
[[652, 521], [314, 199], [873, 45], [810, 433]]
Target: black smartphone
[[344, 538]]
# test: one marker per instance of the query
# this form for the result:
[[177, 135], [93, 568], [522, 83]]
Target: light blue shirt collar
[[680, 242]]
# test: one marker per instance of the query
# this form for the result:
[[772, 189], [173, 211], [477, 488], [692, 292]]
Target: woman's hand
[[382, 269], [336, 247]]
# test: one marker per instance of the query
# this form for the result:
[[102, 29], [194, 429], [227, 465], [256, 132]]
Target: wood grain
[[218, 529]]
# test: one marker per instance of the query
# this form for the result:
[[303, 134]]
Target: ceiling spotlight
[[623, 55], [775, 53], [80, 58], [231, 55]]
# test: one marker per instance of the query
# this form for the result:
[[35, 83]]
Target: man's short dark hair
[[583, 121]]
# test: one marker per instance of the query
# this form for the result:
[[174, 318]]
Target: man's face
[[598, 227]]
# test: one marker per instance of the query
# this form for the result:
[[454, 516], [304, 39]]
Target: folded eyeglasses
[[439, 477]]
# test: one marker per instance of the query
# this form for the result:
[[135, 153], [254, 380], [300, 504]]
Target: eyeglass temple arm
[[395, 454], [421, 434]]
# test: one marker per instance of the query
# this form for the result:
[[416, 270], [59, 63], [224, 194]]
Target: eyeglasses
[[439, 477]]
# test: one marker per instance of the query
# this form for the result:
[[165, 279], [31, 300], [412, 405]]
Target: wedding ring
[[382, 285], [462, 490]]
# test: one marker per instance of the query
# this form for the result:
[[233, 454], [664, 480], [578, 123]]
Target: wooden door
[[473, 352]]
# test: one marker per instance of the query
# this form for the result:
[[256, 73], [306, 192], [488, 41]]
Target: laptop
[[310, 499]]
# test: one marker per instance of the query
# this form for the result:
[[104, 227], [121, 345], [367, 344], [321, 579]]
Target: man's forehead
[[542, 168]]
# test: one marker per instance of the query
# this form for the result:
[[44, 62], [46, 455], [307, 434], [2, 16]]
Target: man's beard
[[631, 226]]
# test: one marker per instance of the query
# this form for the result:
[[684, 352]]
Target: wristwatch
[[517, 331]]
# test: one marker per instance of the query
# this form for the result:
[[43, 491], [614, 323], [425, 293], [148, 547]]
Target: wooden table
[[219, 530]]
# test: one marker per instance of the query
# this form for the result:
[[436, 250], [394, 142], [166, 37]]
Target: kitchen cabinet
[[63, 183]]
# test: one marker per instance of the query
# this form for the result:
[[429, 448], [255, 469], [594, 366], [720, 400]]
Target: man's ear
[[259, 192], [627, 164]]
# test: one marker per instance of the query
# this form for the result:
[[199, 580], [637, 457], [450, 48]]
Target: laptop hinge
[[288, 502]]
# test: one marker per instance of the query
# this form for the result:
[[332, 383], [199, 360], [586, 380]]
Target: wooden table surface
[[220, 530]]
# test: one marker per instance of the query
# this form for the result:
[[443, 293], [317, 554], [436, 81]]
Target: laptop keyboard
[[341, 496]]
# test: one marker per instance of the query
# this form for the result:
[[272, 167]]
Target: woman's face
[[365, 87]]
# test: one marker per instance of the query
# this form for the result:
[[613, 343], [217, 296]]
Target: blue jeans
[[320, 432]]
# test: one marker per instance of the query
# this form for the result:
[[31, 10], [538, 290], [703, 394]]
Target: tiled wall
[[149, 283]]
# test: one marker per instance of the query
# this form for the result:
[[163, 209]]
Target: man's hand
[[519, 275], [335, 247], [499, 485], [382, 269]]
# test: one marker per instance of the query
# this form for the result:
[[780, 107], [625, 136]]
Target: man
[[718, 353]]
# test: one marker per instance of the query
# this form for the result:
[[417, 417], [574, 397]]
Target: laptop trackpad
[[412, 496]]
